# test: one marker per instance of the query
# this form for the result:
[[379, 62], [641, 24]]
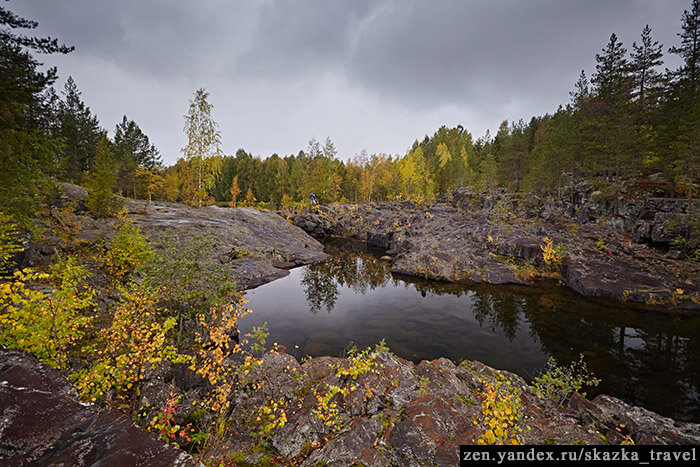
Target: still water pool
[[644, 357]]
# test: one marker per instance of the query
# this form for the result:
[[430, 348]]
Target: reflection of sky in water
[[646, 358], [632, 339]]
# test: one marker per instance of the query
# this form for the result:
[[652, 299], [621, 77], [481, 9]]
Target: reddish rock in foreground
[[398, 413], [406, 414], [42, 422]]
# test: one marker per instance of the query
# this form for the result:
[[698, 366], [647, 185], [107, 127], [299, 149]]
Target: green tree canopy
[[27, 151]]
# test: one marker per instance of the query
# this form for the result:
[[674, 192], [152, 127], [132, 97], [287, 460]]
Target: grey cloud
[[302, 38], [445, 51], [415, 51], [161, 38], [485, 60], [440, 52]]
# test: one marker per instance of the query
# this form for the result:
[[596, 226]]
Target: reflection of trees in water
[[639, 355], [646, 358], [666, 359], [643, 357], [424, 287], [349, 265], [320, 288], [498, 310]]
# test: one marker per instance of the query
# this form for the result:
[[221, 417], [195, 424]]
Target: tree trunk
[[199, 183]]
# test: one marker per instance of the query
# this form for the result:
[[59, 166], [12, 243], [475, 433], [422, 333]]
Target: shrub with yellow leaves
[[331, 409], [553, 255], [216, 344], [501, 410], [135, 342], [50, 323]]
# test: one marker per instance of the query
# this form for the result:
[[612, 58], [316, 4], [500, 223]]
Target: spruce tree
[[80, 132], [101, 200], [131, 150]]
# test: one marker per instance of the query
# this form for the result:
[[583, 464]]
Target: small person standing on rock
[[312, 198]]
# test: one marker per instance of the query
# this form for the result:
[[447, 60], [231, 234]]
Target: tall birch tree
[[203, 140]]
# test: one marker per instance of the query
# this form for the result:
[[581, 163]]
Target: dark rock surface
[[403, 413], [267, 240], [496, 238], [408, 414], [399, 413], [42, 422]]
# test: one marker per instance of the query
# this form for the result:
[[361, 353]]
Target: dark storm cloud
[[160, 38], [442, 51], [303, 37], [417, 51], [372, 74]]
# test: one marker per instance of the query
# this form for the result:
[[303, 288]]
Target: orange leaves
[[216, 347]]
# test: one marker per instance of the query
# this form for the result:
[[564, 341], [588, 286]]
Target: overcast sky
[[373, 75]]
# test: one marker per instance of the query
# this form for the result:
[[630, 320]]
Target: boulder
[[642, 231], [402, 413]]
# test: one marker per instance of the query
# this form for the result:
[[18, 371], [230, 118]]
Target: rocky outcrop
[[257, 246], [401, 413], [42, 422], [397, 413], [497, 237]]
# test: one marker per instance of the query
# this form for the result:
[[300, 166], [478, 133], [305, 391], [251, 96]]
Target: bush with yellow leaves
[[47, 314]]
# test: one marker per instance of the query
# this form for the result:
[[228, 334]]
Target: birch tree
[[203, 141]]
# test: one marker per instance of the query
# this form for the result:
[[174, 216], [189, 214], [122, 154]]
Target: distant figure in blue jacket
[[312, 197]]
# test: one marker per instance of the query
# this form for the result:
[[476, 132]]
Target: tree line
[[632, 118]]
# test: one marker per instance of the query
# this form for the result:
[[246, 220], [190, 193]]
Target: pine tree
[[684, 103], [646, 58], [27, 149], [611, 76], [611, 126], [689, 50]]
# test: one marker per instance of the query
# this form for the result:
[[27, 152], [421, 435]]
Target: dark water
[[646, 358]]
